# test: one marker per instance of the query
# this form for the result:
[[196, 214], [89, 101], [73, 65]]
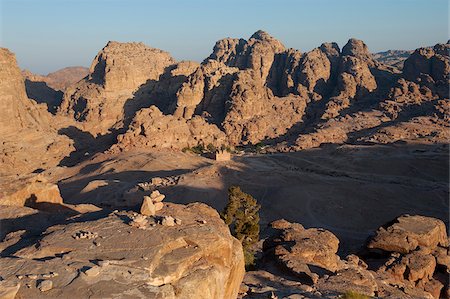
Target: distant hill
[[394, 58], [49, 89]]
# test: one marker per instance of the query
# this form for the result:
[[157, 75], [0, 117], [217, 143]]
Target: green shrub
[[242, 216], [354, 295], [211, 148]]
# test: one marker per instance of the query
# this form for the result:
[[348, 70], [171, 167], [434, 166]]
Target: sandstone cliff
[[27, 129], [117, 71]]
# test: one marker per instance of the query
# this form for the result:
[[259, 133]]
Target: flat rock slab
[[408, 232], [192, 260]]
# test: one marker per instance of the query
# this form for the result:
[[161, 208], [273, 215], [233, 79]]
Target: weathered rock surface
[[117, 72], [30, 191], [190, 260], [307, 253], [311, 255], [152, 129], [409, 232], [26, 127]]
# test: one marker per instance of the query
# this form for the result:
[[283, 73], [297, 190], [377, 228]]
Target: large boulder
[[110, 258], [408, 232], [307, 253]]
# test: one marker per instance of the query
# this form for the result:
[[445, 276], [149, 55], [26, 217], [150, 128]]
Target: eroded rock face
[[117, 71], [26, 127], [432, 62], [205, 91], [152, 129], [255, 114], [191, 260], [258, 53], [17, 111], [310, 254]]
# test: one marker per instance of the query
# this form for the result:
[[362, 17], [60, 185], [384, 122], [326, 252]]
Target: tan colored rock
[[30, 192], [185, 261], [307, 253], [117, 71], [60, 79], [148, 208], [45, 285], [8, 289], [258, 53], [255, 114], [434, 287], [355, 279], [27, 129], [409, 232], [93, 271], [158, 206], [152, 129], [205, 90]]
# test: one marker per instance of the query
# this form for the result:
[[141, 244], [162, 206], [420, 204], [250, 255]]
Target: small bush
[[242, 216], [211, 148], [354, 295]]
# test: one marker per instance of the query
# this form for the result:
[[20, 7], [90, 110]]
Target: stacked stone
[[153, 203]]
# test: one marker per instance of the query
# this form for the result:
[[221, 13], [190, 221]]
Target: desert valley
[[113, 179]]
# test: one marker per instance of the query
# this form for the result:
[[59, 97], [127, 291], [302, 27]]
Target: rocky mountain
[[117, 71], [256, 91], [60, 79]]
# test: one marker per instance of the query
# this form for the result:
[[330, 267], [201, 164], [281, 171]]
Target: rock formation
[[152, 129], [417, 266], [23, 117], [304, 251], [60, 79], [191, 260], [117, 72], [50, 89]]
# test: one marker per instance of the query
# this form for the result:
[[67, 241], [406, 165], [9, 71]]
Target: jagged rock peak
[[355, 47], [330, 49], [14, 104], [262, 35]]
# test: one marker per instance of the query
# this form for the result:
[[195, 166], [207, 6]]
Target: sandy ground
[[349, 190]]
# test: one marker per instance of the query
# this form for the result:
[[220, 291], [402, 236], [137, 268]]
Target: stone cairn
[[153, 203]]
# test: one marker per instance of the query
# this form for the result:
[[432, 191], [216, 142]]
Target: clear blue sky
[[50, 34]]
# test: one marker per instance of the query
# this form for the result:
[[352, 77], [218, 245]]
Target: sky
[[47, 35]]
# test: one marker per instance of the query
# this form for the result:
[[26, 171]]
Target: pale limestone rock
[[148, 208], [93, 271], [8, 289], [45, 285]]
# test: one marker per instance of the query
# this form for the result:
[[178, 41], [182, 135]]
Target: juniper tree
[[241, 214]]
